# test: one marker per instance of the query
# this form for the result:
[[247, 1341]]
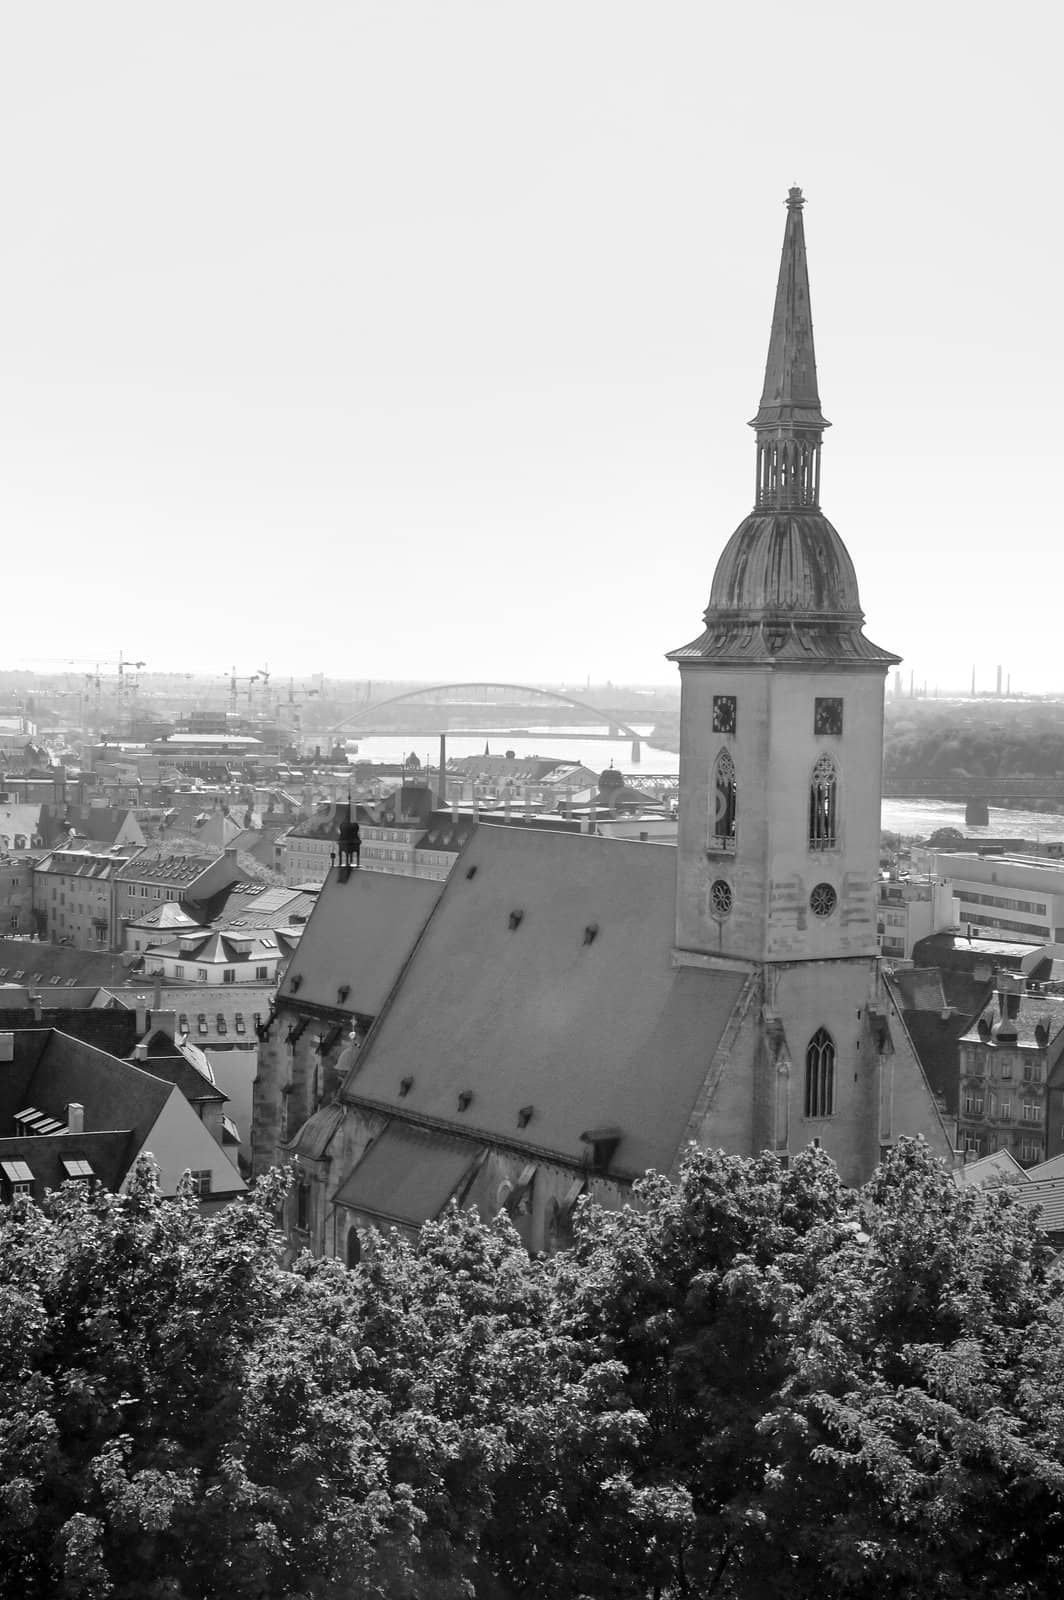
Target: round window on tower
[[823, 900], [720, 897]]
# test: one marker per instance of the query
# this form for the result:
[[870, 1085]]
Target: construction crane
[[234, 683], [292, 703], [127, 685]]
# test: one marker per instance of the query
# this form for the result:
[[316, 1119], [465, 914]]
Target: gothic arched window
[[820, 1075], [722, 801], [823, 804]]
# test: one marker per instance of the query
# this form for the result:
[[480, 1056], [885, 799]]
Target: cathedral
[[568, 1011]]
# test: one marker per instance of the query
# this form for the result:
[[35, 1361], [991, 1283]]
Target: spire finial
[[795, 198]]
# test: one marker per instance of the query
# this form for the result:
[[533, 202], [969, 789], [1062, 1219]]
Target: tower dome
[[785, 586], [786, 565]]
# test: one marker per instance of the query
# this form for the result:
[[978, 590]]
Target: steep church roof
[[544, 984], [785, 588]]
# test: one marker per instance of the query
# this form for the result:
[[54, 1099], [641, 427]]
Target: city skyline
[[405, 343]]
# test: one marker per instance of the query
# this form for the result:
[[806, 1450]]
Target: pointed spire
[[789, 421], [790, 392]]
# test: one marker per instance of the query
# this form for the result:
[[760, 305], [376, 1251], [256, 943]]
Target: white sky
[[418, 339]]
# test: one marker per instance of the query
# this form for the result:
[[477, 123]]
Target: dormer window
[[603, 1144]]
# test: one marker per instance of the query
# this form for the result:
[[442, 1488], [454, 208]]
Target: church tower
[[781, 757], [782, 697]]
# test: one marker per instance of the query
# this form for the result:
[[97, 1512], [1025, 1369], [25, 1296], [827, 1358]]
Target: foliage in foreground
[[756, 1384]]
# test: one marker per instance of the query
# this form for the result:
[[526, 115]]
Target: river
[[913, 819]]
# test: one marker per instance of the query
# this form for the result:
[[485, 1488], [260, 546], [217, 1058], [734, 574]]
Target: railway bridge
[[976, 793]]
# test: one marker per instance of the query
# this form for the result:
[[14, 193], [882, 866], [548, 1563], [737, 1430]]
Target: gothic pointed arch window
[[820, 1075], [723, 803], [823, 804]]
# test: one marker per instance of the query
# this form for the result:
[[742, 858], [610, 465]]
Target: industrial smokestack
[[999, 682], [443, 770]]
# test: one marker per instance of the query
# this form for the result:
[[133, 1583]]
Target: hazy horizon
[[418, 342]]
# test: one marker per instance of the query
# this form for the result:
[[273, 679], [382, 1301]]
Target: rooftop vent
[[516, 918], [591, 933], [471, 872], [342, 993], [465, 1099], [524, 1116], [405, 1086]]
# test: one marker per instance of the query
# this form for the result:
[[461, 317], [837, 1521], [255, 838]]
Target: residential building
[[565, 1011], [307, 849], [16, 891], [74, 895], [1007, 1059], [70, 1112], [20, 824], [210, 958], [154, 876]]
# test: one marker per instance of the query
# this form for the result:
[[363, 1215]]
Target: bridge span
[[436, 700], [973, 788], [975, 794]]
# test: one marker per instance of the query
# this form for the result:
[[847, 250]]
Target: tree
[[752, 1383], [836, 1393], [943, 837]]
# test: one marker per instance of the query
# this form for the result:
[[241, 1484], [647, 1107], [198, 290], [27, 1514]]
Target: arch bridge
[[367, 719]]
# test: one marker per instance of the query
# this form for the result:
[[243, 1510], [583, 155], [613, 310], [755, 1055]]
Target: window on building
[[302, 1205], [973, 1104], [1032, 1111], [354, 1247], [228, 974], [179, 971], [1030, 1150], [1006, 1066], [823, 803], [1006, 1106], [262, 974], [723, 801], [202, 974], [201, 1182], [1030, 1072], [820, 1075]]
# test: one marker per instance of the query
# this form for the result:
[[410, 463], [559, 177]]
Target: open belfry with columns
[[567, 1011]]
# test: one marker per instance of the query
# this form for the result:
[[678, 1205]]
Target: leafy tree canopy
[[751, 1383]]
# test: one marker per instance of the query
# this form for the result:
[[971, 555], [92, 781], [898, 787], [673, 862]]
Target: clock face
[[723, 713], [827, 715]]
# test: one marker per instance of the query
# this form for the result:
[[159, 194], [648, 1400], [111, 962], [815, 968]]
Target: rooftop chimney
[[75, 1115]]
